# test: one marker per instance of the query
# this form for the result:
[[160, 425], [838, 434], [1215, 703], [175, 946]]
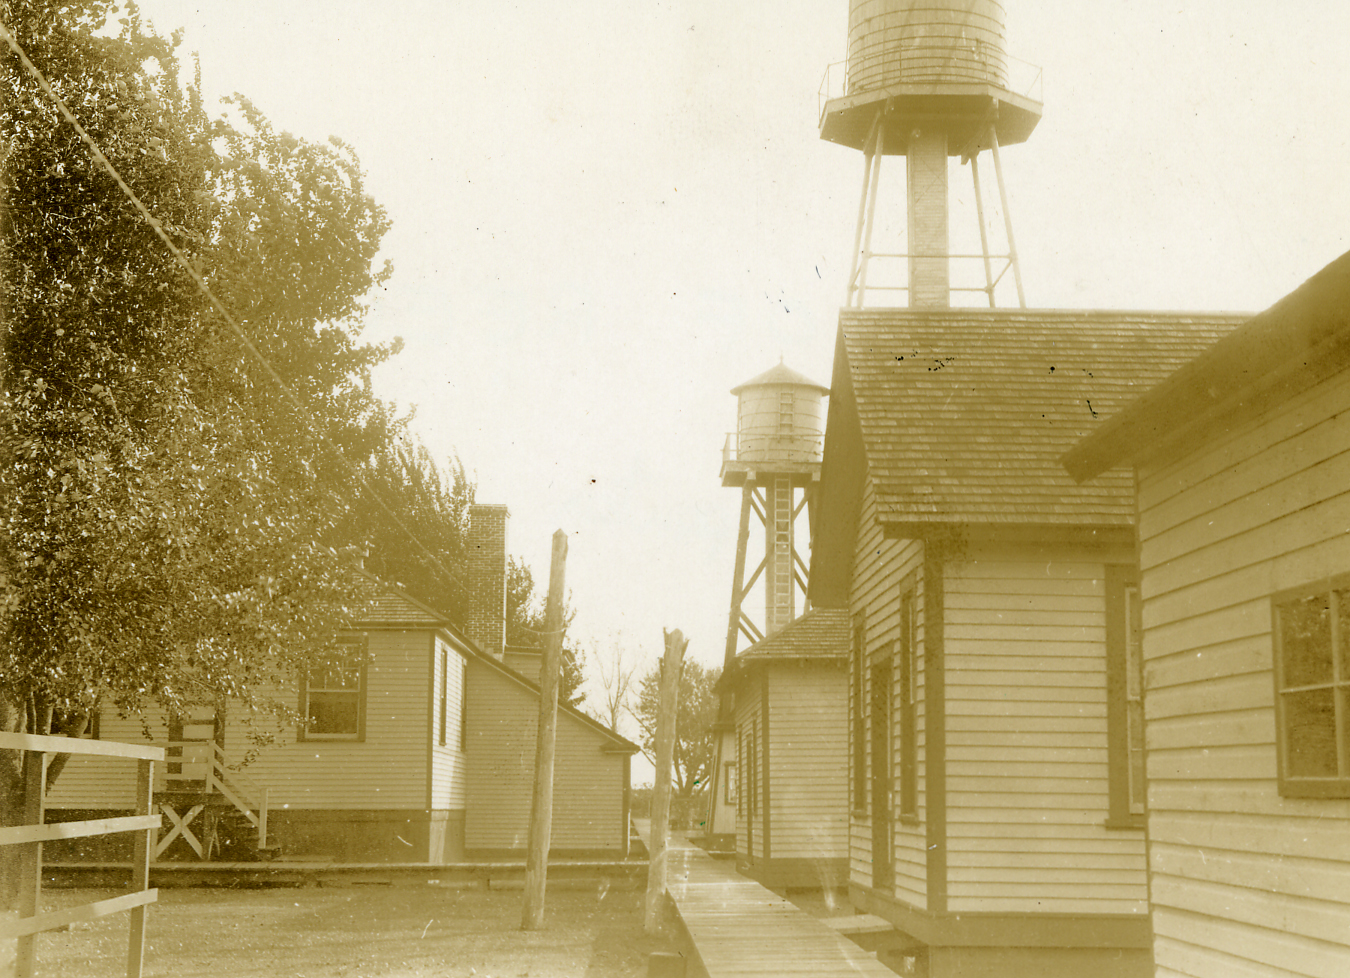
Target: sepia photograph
[[675, 489]]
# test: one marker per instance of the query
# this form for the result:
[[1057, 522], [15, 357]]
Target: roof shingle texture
[[965, 413], [821, 633], [383, 603]]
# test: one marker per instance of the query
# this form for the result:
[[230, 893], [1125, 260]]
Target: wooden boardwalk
[[735, 927]]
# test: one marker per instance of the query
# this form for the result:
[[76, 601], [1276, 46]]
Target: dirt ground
[[403, 931]]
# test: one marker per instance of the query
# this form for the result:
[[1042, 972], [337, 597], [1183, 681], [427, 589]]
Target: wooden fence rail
[[34, 832]]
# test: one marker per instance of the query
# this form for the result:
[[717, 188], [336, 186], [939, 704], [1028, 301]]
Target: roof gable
[[1300, 340], [385, 604], [964, 413]]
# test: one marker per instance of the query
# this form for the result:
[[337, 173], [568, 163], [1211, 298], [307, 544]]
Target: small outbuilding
[[1242, 459], [790, 786]]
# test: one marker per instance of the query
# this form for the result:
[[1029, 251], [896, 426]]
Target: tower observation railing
[[794, 449]]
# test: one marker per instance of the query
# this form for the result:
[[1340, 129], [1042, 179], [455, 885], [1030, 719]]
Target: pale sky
[[607, 213]]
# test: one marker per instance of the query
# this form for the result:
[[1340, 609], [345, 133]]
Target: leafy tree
[[525, 627], [696, 715], [430, 502], [166, 516]]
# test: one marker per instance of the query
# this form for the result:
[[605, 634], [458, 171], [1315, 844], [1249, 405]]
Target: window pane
[[1136, 739], [1310, 723], [1305, 641], [332, 713]]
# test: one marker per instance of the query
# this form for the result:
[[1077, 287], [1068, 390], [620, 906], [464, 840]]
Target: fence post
[[30, 862], [140, 867], [262, 821]]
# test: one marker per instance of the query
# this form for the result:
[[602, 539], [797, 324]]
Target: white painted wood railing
[[204, 767], [33, 833]]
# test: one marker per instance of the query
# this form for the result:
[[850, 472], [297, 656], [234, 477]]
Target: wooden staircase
[[210, 808]]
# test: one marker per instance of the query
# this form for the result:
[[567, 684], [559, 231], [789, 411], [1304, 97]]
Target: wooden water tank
[[925, 42], [780, 418]]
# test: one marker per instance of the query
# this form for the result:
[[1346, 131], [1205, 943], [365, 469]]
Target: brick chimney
[[486, 623]]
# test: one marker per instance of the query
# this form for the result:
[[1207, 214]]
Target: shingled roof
[[821, 633], [964, 414], [384, 604]]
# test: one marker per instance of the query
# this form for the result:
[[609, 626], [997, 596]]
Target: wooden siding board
[[749, 701], [880, 567], [1185, 960], [448, 770], [503, 717], [1309, 878], [1027, 760], [1205, 482], [1240, 874], [1265, 945], [1315, 919], [388, 770], [808, 740]]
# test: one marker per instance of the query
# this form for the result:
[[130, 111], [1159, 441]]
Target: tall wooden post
[[140, 866], [30, 862], [541, 807], [667, 711]]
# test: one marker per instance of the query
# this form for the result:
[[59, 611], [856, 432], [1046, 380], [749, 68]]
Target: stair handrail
[[246, 786], [241, 791]]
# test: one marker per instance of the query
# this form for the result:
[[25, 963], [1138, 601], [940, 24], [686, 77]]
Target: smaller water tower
[[773, 457], [927, 80]]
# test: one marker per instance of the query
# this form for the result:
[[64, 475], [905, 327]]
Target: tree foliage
[[166, 516], [430, 502], [695, 717]]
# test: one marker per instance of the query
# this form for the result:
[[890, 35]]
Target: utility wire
[[205, 289]]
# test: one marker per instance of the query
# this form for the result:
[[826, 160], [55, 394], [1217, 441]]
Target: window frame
[[1304, 786], [731, 793], [354, 647], [1127, 807], [858, 728], [463, 703], [907, 679], [443, 740]]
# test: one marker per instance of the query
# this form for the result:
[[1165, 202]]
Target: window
[[1312, 687], [859, 727], [732, 796], [463, 704], [740, 755], [1125, 699], [332, 696], [442, 717], [907, 653]]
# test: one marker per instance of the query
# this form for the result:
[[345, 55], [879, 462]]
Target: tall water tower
[[773, 458], [927, 80]]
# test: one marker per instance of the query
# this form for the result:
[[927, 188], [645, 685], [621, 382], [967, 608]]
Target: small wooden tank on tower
[[928, 80], [774, 458]]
